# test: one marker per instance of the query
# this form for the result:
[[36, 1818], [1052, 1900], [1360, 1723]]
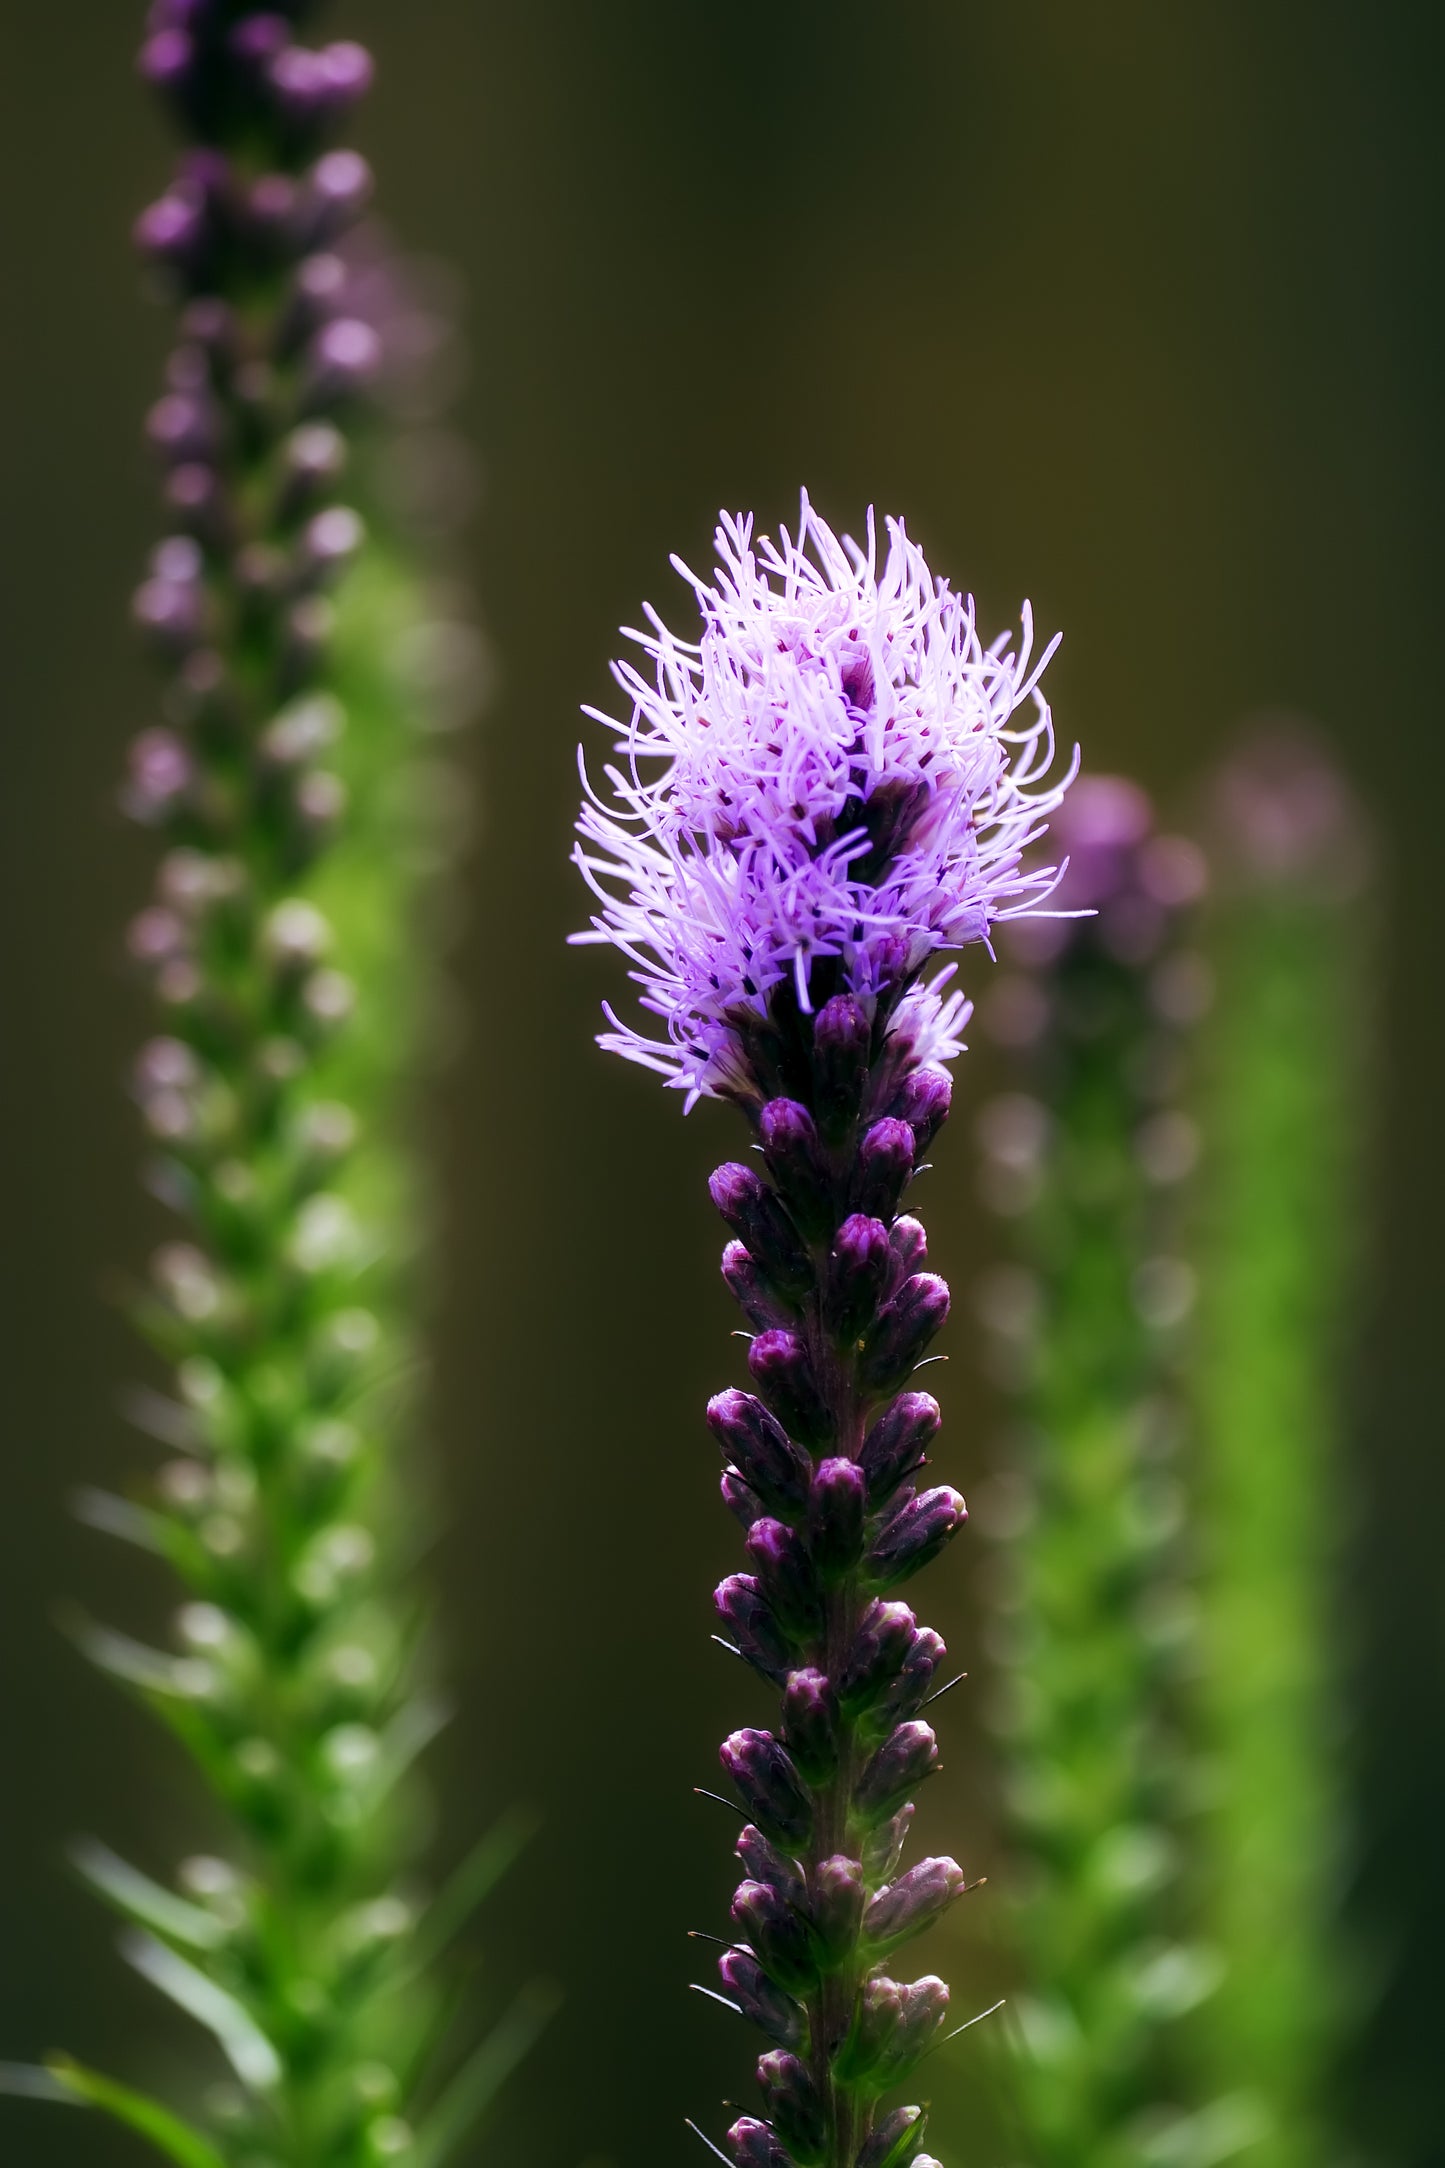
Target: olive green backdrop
[[1132, 308]]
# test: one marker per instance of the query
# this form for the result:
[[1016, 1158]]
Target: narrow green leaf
[[479, 1872], [32, 2081], [472, 2090], [172, 2138], [143, 1901], [250, 2053]]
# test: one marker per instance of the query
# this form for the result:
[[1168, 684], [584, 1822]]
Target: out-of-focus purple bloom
[[835, 770]]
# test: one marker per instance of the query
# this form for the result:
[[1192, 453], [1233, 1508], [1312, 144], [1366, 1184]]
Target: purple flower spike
[[813, 802]]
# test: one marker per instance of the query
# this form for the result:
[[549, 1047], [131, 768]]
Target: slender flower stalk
[[827, 790], [283, 790], [1084, 1158], [1281, 1103]]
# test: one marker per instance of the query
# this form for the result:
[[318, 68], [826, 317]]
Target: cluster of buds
[[826, 1467]]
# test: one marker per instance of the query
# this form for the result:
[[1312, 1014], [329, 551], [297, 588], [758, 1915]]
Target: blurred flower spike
[[836, 782]]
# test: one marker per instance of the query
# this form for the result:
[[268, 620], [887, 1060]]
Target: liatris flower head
[[833, 783]]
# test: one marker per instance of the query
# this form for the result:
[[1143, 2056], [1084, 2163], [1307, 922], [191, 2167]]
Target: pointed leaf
[[143, 1901], [471, 2091], [172, 2138], [250, 2053]]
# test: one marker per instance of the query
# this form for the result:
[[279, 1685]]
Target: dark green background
[[1133, 308]]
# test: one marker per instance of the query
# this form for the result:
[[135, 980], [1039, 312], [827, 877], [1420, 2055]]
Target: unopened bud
[[756, 1297], [811, 1721], [748, 1619], [923, 1103], [835, 1518], [880, 1647], [783, 1370], [861, 1269], [896, 1447], [836, 1902], [794, 2107], [912, 1903], [895, 2141], [842, 1039], [916, 1533], [906, 1759], [757, 1216], [885, 1163], [771, 1788], [763, 1862], [779, 1935], [761, 1450], [756, 2145], [790, 1149], [902, 1333], [761, 2001], [785, 1573]]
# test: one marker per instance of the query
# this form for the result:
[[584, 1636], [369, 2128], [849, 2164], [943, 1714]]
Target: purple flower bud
[[903, 1330], [763, 1862], [165, 61], [896, 1447], [916, 1533], [910, 1688], [910, 1246], [923, 1103], [835, 1518], [770, 1786], [172, 230], [893, 2028], [754, 2145], [339, 188], [170, 613], [791, 1151], [741, 1500], [760, 1304], [842, 1037], [760, 2000], [885, 1162], [258, 39], [270, 219], [761, 1450], [780, 1363], [747, 1618], [181, 427], [794, 2107], [781, 1937], [344, 357], [811, 1721], [785, 1573], [895, 2141], [904, 1761], [836, 1903], [161, 772], [753, 1212], [912, 1903], [880, 1647], [861, 1269], [883, 1849]]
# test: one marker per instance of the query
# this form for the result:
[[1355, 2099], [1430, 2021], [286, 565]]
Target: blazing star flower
[[812, 800], [828, 787]]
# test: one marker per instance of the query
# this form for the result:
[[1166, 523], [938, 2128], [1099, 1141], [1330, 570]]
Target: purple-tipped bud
[[763, 1862], [761, 1450], [893, 2028], [897, 1445], [161, 772], [902, 1333], [906, 1759], [923, 1103], [791, 1151], [771, 1788], [880, 1648], [909, 1244], [913, 1683], [741, 1500], [783, 1369], [916, 1533], [344, 357], [755, 2145], [747, 1619], [756, 1215], [172, 230], [885, 1162], [811, 1723], [785, 1573], [883, 1848], [761, 1304], [761, 2001], [912, 1903], [165, 61], [861, 1270], [895, 2141], [835, 1518], [842, 1036], [794, 2107], [182, 427], [836, 1903], [780, 1936], [339, 189]]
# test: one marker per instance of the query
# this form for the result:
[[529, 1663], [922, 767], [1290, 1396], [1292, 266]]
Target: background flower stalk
[[287, 788], [814, 799]]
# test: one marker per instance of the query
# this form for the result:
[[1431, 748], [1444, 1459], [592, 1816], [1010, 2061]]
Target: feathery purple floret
[[834, 783]]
